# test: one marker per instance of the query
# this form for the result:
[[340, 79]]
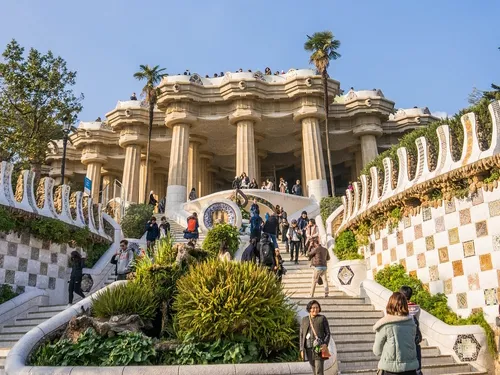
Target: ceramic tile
[[407, 221], [494, 208], [413, 274], [462, 300], [421, 260], [496, 242], [385, 245], [469, 249], [476, 310], [372, 248], [418, 231], [477, 197], [448, 286], [429, 242], [426, 214], [409, 249], [485, 262], [439, 223], [458, 269], [473, 281], [453, 236], [377, 234], [481, 229], [490, 297], [403, 263], [449, 206], [464, 216], [379, 259], [426, 287], [393, 255], [443, 254], [399, 237], [433, 273]]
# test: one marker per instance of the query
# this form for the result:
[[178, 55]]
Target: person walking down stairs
[[75, 280], [319, 257]]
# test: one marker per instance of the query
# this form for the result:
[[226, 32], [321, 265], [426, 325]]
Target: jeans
[[316, 275], [294, 249], [75, 286], [419, 357], [273, 238], [317, 365]]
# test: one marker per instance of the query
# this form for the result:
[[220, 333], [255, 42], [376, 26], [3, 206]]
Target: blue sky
[[423, 53]]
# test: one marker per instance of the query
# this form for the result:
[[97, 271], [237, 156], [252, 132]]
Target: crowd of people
[[267, 72], [244, 182]]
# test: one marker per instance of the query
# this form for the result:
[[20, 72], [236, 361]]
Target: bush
[[130, 298], [6, 293], [393, 277], [328, 205], [135, 219], [233, 300], [94, 253], [128, 348], [219, 233], [346, 246]]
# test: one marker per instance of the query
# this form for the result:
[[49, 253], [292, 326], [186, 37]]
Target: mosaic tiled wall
[[28, 263], [453, 249]]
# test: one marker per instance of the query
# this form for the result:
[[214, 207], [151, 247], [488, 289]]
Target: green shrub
[[6, 293], [94, 253], [135, 219], [47, 229], [230, 300], [127, 348], [394, 276], [346, 246], [219, 233], [7, 224], [328, 205], [131, 298]]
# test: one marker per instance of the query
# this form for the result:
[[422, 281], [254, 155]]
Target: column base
[[317, 189], [176, 195]]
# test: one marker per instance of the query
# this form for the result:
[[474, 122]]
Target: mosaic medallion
[[219, 206], [345, 275], [466, 348]]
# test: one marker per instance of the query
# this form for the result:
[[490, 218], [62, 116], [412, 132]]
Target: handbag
[[325, 353], [114, 259]]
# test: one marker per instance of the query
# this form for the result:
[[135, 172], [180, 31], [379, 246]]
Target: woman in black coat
[[312, 341], [75, 280]]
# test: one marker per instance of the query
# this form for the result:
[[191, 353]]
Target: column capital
[[199, 139], [213, 169], [207, 155], [258, 137], [367, 129], [309, 111], [180, 118], [297, 153], [244, 114], [160, 170], [153, 158], [262, 154]]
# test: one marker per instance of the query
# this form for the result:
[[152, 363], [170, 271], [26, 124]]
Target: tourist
[[161, 206], [302, 224], [297, 189], [215, 75], [350, 187], [284, 232], [279, 269], [314, 337], [75, 279], [395, 339], [98, 119], [267, 71], [312, 233], [253, 184], [133, 96], [294, 238], [192, 194], [414, 311], [245, 180], [207, 76], [125, 257], [152, 232], [236, 182], [250, 253], [221, 74], [152, 199], [319, 257], [264, 186], [255, 226], [265, 250], [283, 186], [271, 228], [254, 208], [224, 255], [269, 185], [240, 70], [191, 232], [164, 227]]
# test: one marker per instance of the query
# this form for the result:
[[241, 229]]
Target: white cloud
[[439, 114]]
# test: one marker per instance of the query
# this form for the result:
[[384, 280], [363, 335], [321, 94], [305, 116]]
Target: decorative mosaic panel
[[462, 300], [473, 281], [399, 236], [345, 275], [469, 249], [458, 269], [481, 229], [429, 243], [494, 208], [449, 207], [448, 286], [464, 216], [496, 242], [466, 348], [439, 223], [490, 297], [426, 214], [453, 237], [477, 198], [215, 207], [433, 273], [409, 249], [443, 255], [485, 262], [406, 222], [421, 260], [418, 231]]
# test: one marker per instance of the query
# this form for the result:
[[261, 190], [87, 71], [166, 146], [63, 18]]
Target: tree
[[323, 46], [153, 76], [36, 98]]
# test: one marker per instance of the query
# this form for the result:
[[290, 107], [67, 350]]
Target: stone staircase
[[351, 320], [177, 231]]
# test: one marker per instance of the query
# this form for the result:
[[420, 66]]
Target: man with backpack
[[414, 310], [124, 258], [302, 223], [265, 249]]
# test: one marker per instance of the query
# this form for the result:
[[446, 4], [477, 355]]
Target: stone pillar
[[212, 172], [143, 189], [359, 163], [160, 184], [108, 181], [204, 183], [194, 165], [313, 158], [368, 128], [177, 173], [94, 174], [131, 172], [303, 180]]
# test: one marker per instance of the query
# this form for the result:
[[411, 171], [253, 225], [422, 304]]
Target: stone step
[[427, 351], [352, 314], [354, 336], [347, 320], [30, 321], [10, 336], [449, 369], [17, 329], [41, 314], [2, 362], [341, 300], [347, 328], [301, 294], [367, 363], [7, 344], [56, 308], [347, 307]]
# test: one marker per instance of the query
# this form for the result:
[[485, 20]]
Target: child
[[414, 310]]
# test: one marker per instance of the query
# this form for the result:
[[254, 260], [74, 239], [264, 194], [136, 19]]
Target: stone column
[[94, 174], [204, 183], [194, 164], [368, 128], [212, 172], [143, 189], [359, 162], [177, 173], [131, 172], [314, 164], [108, 181]]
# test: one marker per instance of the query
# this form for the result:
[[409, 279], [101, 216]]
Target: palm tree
[[323, 46], [153, 76]]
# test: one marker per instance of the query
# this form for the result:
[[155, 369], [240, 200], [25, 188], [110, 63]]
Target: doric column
[[368, 128], [108, 182], [194, 164], [261, 155], [131, 172], [299, 154], [178, 169], [204, 185], [143, 189], [94, 175], [160, 183], [359, 162], [244, 117], [212, 172]]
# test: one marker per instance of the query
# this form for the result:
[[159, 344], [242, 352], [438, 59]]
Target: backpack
[[87, 283], [191, 225], [266, 253], [418, 335]]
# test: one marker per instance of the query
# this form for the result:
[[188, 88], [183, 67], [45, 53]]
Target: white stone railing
[[28, 202], [358, 202]]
